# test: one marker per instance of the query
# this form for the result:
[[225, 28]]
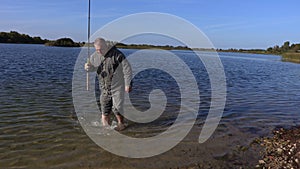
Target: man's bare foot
[[106, 127], [120, 127]]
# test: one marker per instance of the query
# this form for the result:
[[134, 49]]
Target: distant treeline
[[63, 42], [289, 52], [15, 37], [146, 46], [286, 47]]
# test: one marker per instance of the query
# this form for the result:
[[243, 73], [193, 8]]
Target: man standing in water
[[114, 75]]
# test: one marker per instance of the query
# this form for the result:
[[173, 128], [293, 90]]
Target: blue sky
[[227, 23]]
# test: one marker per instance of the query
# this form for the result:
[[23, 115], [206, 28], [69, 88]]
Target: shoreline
[[282, 150]]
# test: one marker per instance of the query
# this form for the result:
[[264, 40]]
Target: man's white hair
[[100, 41]]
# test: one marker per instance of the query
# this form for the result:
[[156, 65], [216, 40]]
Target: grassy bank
[[291, 57]]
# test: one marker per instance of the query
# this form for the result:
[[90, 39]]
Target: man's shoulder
[[115, 49], [115, 52]]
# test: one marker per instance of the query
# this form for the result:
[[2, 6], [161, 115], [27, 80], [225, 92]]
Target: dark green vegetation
[[255, 51], [63, 42], [290, 53], [15, 37]]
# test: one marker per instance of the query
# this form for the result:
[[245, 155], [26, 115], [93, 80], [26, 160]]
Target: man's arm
[[92, 65], [127, 71]]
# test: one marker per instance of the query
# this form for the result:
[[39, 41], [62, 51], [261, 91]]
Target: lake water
[[39, 126]]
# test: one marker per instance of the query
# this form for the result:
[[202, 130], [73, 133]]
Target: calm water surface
[[39, 126]]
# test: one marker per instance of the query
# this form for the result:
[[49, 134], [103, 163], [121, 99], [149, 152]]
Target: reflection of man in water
[[114, 74]]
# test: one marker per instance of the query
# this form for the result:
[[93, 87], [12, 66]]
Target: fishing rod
[[88, 53]]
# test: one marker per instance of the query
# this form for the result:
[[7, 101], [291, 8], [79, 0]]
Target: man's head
[[100, 46]]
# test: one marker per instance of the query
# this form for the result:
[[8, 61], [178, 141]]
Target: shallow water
[[39, 127]]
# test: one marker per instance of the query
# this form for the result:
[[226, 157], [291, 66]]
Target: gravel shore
[[282, 150]]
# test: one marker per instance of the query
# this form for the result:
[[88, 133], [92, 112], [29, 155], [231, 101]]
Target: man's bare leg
[[105, 120], [120, 119], [121, 125]]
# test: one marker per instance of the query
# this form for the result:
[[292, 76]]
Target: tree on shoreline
[[15, 37], [286, 47], [63, 42]]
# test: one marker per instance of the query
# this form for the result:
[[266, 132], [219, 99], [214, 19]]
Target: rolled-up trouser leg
[[118, 101]]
